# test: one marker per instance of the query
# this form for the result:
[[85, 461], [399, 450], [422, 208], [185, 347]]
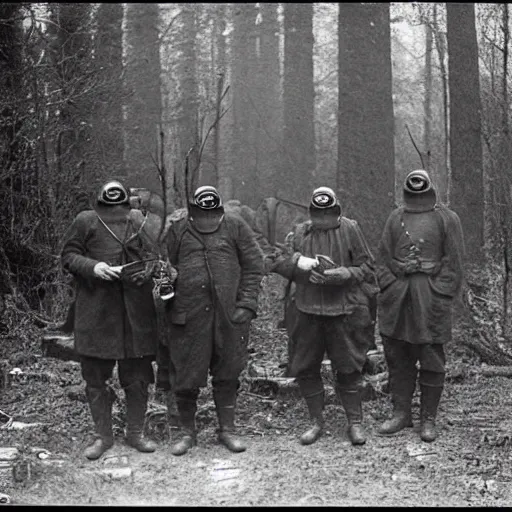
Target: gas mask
[[112, 193], [206, 210], [324, 209], [419, 192]]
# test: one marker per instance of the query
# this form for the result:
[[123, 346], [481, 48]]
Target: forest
[[265, 101]]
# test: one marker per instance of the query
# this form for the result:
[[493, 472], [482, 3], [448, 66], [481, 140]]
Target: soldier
[[420, 273], [114, 319], [220, 267], [333, 308]]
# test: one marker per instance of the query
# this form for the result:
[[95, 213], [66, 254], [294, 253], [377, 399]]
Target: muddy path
[[468, 465]]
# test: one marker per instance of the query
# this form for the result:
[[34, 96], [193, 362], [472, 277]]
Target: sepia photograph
[[256, 254]]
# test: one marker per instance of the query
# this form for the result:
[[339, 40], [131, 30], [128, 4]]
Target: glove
[[316, 277], [339, 275], [106, 272], [411, 266], [324, 262], [307, 264], [242, 315]]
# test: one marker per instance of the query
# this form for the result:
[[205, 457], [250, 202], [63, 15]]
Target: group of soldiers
[[217, 266]]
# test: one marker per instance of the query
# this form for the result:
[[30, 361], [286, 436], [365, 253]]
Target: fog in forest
[[261, 100]]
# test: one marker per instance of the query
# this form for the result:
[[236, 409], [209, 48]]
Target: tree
[[221, 71], [245, 115], [143, 108], [107, 119], [224, 132], [466, 161], [299, 160], [427, 138], [365, 115], [268, 101], [185, 46], [74, 83], [11, 150]]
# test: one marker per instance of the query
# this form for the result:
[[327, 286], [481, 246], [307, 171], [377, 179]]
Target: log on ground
[[60, 346]]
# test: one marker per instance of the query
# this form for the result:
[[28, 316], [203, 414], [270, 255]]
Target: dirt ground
[[468, 465]]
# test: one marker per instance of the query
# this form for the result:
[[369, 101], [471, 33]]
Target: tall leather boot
[[402, 390], [315, 405], [430, 397], [187, 435], [100, 403], [136, 407], [173, 415], [224, 396], [352, 403]]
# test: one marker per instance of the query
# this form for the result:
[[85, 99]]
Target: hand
[[317, 278], [242, 315], [324, 262], [104, 271], [307, 264], [411, 266]]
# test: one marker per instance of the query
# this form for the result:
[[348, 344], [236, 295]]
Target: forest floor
[[468, 465]]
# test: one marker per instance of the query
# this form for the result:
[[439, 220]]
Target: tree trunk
[[245, 107], [71, 59], [221, 74], [10, 146], [225, 156], [466, 188], [427, 104], [10, 76], [269, 100], [143, 107], [181, 94], [298, 149], [505, 188], [107, 117], [440, 37], [208, 88], [187, 125], [365, 118]]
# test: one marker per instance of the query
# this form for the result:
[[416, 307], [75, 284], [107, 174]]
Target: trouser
[[135, 374], [311, 385], [402, 356], [162, 372], [97, 371], [316, 335], [224, 397]]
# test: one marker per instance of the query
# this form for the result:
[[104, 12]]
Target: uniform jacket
[[346, 246], [417, 290], [217, 272], [113, 319]]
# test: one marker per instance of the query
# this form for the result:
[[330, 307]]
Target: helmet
[[324, 209], [418, 182], [113, 192], [419, 192], [206, 209], [207, 198], [324, 197]]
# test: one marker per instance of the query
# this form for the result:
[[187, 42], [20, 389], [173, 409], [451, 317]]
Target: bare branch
[[415, 147], [169, 26]]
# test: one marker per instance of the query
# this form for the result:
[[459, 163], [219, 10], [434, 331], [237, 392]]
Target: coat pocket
[[358, 303], [178, 317]]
